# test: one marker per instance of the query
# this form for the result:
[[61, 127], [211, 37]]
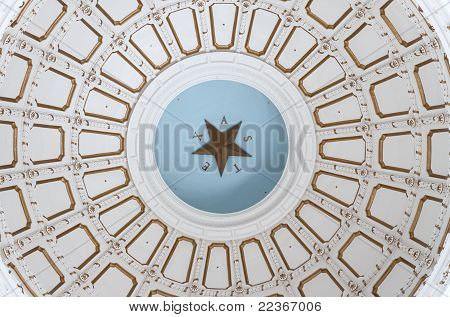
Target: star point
[[222, 145]]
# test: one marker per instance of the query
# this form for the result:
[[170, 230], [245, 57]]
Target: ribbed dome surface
[[368, 78]]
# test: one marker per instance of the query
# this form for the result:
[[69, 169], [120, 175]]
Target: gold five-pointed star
[[221, 145]]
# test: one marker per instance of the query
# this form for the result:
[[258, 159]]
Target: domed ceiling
[[359, 207]]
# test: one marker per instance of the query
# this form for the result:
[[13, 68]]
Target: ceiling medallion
[[188, 188], [221, 167]]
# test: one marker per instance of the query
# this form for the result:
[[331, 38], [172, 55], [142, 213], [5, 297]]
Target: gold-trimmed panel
[[418, 215], [269, 39], [62, 149], [119, 82], [161, 43], [129, 222], [279, 248], [389, 271], [101, 114], [324, 156], [430, 171], [113, 189], [23, 204], [190, 260], [324, 87], [397, 34], [208, 260], [335, 103], [177, 38], [51, 263], [125, 18], [94, 48], [370, 213], [315, 275], [301, 59], [124, 272], [70, 195], [120, 150], [213, 27], [354, 56], [327, 194], [25, 79], [152, 222], [347, 244], [15, 134], [52, 25], [91, 237], [70, 94], [264, 257], [325, 24], [298, 211]]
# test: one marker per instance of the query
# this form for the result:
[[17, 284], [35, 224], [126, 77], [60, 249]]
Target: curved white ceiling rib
[[438, 13], [372, 222]]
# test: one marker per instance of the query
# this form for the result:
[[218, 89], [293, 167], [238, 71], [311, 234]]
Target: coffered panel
[[9, 153], [399, 270], [320, 222], [47, 18], [105, 181], [149, 43], [120, 70], [320, 283], [326, 74], [328, 14], [184, 26], [396, 151], [399, 23], [387, 205], [360, 210], [63, 199], [390, 97], [366, 54], [16, 79], [15, 209], [146, 243], [78, 246], [218, 267], [291, 248], [39, 261], [437, 146], [119, 14], [178, 266], [340, 188], [348, 150], [118, 217], [102, 105], [92, 144], [291, 54], [428, 84], [224, 22], [427, 214], [54, 138], [87, 38], [266, 23], [256, 265], [114, 281], [54, 79], [360, 243], [341, 111]]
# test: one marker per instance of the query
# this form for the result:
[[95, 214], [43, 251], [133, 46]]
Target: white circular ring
[[259, 75]]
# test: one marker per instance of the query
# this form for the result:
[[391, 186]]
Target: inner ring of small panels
[[372, 73]]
